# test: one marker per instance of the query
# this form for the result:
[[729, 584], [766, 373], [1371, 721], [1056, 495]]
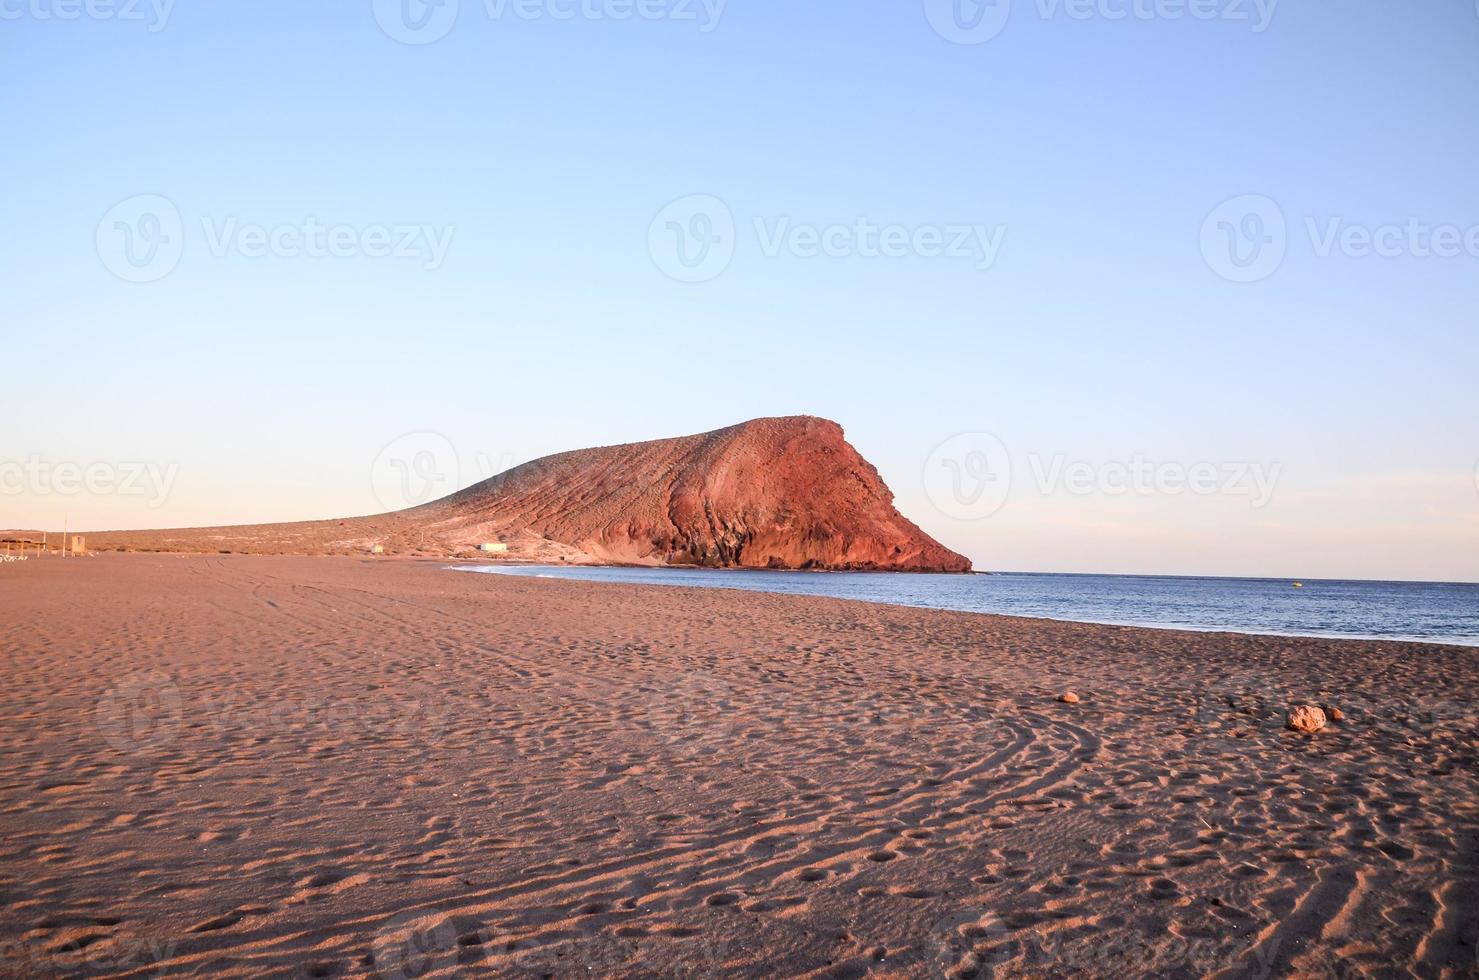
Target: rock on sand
[[1306, 718]]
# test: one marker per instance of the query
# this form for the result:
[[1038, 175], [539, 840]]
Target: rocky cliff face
[[770, 493]]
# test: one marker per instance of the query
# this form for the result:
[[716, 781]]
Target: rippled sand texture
[[339, 767]]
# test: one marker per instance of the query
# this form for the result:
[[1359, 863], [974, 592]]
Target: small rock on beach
[[1306, 718]]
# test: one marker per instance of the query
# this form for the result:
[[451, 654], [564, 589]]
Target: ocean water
[[1429, 611]]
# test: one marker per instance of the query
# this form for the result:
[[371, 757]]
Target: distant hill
[[769, 493]]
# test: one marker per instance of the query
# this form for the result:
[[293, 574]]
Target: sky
[[1138, 286]]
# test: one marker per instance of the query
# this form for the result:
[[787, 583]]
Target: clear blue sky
[[1101, 334]]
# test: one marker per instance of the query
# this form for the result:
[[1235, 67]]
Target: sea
[[1434, 612]]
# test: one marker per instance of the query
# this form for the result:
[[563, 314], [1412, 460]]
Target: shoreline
[[521, 569]]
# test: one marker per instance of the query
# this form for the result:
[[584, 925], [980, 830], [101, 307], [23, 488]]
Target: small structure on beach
[[493, 548], [378, 549]]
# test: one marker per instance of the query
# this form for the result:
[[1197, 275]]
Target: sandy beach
[[328, 767]]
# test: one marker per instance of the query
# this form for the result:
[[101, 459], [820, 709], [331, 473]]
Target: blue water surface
[[1429, 611]]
